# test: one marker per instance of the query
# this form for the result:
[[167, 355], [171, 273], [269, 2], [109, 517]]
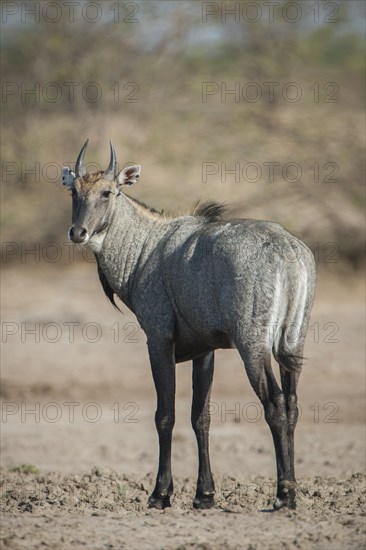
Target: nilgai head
[[94, 194]]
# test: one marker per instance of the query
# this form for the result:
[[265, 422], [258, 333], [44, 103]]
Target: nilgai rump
[[197, 283]]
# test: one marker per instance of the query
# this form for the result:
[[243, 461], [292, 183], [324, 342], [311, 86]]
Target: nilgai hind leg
[[280, 412]]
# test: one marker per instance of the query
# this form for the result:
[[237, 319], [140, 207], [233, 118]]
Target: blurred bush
[[152, 75]]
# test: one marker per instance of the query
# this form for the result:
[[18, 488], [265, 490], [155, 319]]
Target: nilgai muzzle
[[197, 283]]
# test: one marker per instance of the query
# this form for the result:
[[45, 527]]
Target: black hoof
[[203, 502], [286, 495], [278, 504], [160, 503], [284, 503]]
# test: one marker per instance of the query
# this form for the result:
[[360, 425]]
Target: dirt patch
[[112, 508], [80, 415]]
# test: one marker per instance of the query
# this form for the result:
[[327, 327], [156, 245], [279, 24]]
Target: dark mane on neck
[[148, 209], [211, 211]]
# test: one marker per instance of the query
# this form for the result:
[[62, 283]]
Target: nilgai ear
[[129, 175], [68, 176]]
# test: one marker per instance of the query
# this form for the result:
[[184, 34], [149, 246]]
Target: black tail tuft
[[287, 360]]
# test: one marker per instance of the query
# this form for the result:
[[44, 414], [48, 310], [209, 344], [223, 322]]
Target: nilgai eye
[[106, 194]]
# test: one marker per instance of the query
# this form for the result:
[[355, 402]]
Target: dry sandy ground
[[78, 404]]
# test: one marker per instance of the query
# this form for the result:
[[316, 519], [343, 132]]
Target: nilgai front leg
[[162, 361], [203, 368]]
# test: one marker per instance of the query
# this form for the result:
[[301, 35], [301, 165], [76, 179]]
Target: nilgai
[[197, 283]]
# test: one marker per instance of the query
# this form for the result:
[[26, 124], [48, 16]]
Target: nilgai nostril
[[197, 283], [78, 234]]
